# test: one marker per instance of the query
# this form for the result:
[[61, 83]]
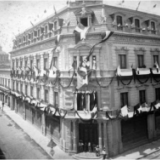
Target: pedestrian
[[104, 153], [97, 151], [2, 105]]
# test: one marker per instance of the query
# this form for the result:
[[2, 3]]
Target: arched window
[[153, 28], [137, 25], [119, 23]]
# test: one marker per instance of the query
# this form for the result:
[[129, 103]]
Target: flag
[[80, 32], [55, 12], [124, 111], [154, 6], [32, 24], [138, 5], [106, 36], [57, 39]]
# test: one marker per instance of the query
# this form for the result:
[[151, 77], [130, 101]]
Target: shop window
[[31, 91], [56, 99], [157, 90], [142, 97], [123, 61], [141, 61], [46, 96], [153, 28], [119, 23], [155, 59], [124, 99], [38, 93], [137, 25], [84, 21]]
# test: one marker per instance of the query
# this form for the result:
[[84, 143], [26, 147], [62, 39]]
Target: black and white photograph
[[80, 79]]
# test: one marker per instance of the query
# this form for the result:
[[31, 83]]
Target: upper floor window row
[[134, 23], [46, 30]]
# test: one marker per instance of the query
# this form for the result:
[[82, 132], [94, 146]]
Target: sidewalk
[[142, 152], [35, 134]]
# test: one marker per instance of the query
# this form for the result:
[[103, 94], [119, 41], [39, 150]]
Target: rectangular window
[[124, 99], [55, 25], [119, 23], [39, 33], [122, 61], [142, 96], [140, 61], [21, 63], [153, 28], [137, 25], [84, 21], [9, 83], [38, 93], [38, 63], [46, 29], [26, 63], [45, 63], [56, 99], [46, 96], [17, 86], [155, 59], [157, 93], [13, 85], [13, 64], [21, 87], [55, 61], [32, 91], [31, 63], [26, 89]]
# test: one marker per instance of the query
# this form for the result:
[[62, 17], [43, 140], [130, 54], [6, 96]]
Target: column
[[100, 135], [75, 136], [43, 125], [151, 126], [24, 110], [11, 102], [75, 101], [105, 136]]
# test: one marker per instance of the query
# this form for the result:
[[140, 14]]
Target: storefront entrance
[[88, 137], [134, 131]]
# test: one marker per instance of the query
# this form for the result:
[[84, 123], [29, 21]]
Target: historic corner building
[[5, 78], [89, 75]]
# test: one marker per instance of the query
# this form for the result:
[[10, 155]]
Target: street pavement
[[16, 144], [35, 139]]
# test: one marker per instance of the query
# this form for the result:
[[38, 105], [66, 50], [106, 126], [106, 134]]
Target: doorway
[[88, 137]]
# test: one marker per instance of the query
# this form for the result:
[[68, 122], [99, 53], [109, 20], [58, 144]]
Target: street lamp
[[51, 144]]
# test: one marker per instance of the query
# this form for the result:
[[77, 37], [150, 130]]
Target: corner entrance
[[88, 137]]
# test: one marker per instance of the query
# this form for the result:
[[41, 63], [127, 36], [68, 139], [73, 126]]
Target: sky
[[17, 15]]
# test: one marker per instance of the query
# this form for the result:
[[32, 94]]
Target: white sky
[[15, 16]]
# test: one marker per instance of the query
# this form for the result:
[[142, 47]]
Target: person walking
[[103, 153], [2, 105]]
